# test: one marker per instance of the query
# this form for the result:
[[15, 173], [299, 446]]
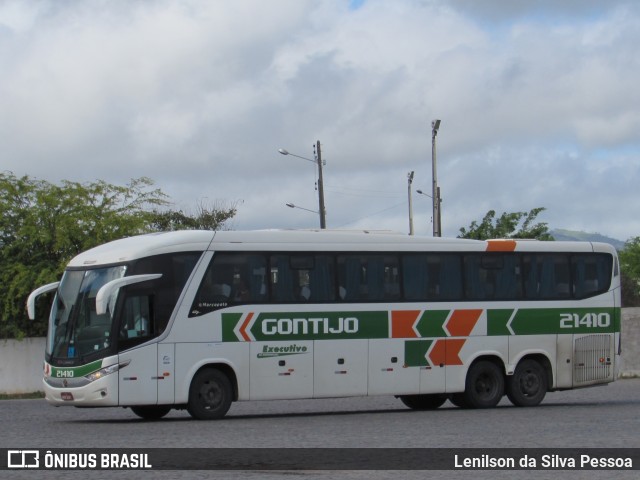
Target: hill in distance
[[571, 235]]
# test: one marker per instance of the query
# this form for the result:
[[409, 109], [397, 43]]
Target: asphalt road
[[606, 416]]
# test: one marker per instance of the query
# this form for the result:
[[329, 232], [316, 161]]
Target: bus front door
[[138, 381]]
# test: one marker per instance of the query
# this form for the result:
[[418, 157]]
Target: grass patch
[[21, 396]]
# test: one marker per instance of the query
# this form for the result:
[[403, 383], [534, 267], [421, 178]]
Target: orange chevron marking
[[501, 245], [402, 322], [243, 328], [447, 351], [462, 322]]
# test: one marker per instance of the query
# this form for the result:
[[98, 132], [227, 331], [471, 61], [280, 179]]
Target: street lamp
[[435, 192], [318, 160], [427, 195], [291, 205]]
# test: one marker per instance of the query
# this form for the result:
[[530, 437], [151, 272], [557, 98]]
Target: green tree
[[214, 217], [43, 225], [508, 225], [630, 267]]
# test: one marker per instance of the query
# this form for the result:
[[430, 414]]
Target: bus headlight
[[103, 372]]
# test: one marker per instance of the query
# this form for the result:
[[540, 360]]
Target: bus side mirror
[[33, 296], [105, 298]]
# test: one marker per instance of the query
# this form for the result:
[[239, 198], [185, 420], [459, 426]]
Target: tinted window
[[432, 277], [591, 274], [232, 278], [368, 277], [492, 276], [546, 276], [237, 278], [147, 307], [302, 278]]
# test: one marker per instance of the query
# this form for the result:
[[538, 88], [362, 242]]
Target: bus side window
[[284, 285], [415, 277], [137, 318], [477, 285], [368, 277], [137, 321], [302, 278], [231, 278], [546, 276], [591, 274]]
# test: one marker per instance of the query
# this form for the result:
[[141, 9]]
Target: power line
[[374, 214], [363, 192]]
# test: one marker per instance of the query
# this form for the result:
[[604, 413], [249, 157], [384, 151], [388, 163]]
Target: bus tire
[[423, 402], [484, 386], [210, 395], [527, 386], [151, 412]]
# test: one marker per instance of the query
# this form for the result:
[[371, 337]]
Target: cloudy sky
[[539, 102]]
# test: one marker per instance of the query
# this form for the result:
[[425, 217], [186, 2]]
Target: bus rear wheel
[[527, 386], [484, 386], [151, 412], [423, 402], [210, 395]]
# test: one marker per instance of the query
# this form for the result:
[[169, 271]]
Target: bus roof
[[132, 248]]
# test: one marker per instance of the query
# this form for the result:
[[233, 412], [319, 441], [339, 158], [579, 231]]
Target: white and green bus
[[200, 319]]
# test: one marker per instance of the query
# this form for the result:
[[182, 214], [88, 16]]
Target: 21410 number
[[588, 320]]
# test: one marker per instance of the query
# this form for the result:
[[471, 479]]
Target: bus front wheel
[[528, 384], [210, 395], [423, 402], [484, 386]]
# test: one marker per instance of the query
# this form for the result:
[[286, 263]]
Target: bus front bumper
[[102, 392]]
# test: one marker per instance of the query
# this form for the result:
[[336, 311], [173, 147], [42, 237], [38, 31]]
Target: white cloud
[[537, 101]]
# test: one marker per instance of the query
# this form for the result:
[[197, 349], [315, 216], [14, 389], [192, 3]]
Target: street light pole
[[323, 212], [318, 161], [435, 125], [410, 181]]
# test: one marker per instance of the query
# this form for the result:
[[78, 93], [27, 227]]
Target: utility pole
[[323, 213], [435, 125], [410, 181], [317, 159]]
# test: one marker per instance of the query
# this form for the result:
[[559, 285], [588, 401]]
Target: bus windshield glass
[[75, 329]]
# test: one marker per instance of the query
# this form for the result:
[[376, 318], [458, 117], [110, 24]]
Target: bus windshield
[[75, 329]]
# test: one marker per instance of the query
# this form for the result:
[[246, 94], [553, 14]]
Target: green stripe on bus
[[306, 326], [431, 323], [375, 324], [321, 325], [415, 353], [76, 372], [229, 322], [497, 322], [539, 321]]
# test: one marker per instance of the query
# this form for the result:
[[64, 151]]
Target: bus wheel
[[423, 402], [528, 385], [484, 386], [210, 395], [151, 412]]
